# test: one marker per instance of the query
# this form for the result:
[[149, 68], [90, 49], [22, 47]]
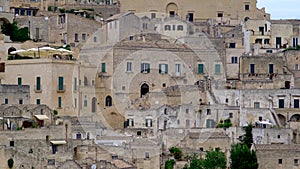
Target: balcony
[[61, 89], [178, 75], [37, 90]]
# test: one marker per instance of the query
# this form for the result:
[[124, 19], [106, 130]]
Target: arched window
[[94, 104], [180, 28], [108, 101], [167, 27], [85, 81], [11, 49]]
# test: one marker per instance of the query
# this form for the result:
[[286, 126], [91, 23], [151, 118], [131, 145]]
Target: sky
[[281, 9]]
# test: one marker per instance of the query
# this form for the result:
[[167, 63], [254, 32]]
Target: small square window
[[208, 112], [164, 85], [278, 136], [296, 162], [247, 7], [139, 133], [230, 115], [147, 155], [279, 161], [201, 149], [220, 14], [12, 143], [20, 101]]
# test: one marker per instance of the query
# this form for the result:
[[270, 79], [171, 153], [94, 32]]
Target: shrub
[[176, 152]]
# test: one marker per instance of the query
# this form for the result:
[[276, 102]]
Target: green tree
[[176, 152], [169, 164], [10, 163], [248, 137], [16, 34], [214, 159], [242, 157]]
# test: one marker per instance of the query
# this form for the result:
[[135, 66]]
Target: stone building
[[52, 86], [14, 94], [224, 10]]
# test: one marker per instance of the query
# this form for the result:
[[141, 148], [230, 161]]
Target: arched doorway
[[94, 102], [144, 89], [108, 101], [172, 9]]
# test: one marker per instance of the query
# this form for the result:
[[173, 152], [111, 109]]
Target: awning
[[58, 142], [41, 117]]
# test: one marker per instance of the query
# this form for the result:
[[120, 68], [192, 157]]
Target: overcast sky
[[281, 9]]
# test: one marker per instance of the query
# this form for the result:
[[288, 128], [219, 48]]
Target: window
[[281, 103], [75, 102], [261, 30], [153, 15], [114, 157], [145, 68], [59, 102], [19, 80], [177, 69], [201, 149], [186, 111], [130, 37], [252, 68], [296, 103], [38, 83], [279, 161], [271, 68], [269, 51], [296, 162], [147, 155], [6, 101], [108, 101], [174, 27], [296, 67], [208, 112], [258, 41], [129, 67], [78, 136], [76, 37], [295, 42], [75, 83], [11, 143], [220, 14], [20, 101], [163, 68], [232, 45], [38, 101], [138, 133], [200, 68], [130, 122], [148, 122], [266, 41], [95, 39], [103, 67], [85, 103], [230, 115], [278, 136], [180, 28], [234, 59], [278, 42], [83, 36], [256, 105], [60, 83], [247, 7], [167, 27], [190, 17], [28, 13], [217, 69], [145, 26]]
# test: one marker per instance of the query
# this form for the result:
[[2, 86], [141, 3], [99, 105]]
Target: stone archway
[[282, 119], [144, 89], [295, 118], [172, 9]]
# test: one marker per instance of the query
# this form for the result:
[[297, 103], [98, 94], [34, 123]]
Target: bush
[[176, 152], [10, 163], [169, 164]]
